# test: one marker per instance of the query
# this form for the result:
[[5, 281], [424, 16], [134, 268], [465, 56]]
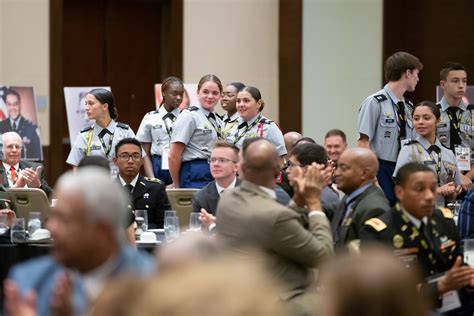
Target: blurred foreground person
[[88, 249]]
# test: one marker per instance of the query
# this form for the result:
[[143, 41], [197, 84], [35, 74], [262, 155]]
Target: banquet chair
[[181, 202], [28, 200]]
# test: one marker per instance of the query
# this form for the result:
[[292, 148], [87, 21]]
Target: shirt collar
[[95, 280], [426, 144], [445, 105], [268, 191], [163, 112], [7, 166], [111, 127], [351, 197], [392, 96], [133, 183], [231, 186], [233, 118], [17, 121], [415, 221]]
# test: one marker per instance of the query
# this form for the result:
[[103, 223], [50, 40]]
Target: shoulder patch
[[264, 120], [439, 105], [408, 102], [122, 125], [193, 108], [376, 224], [153, 180], [380, 97], [88, 128], [446, 212], [153, 112], [410, 142]]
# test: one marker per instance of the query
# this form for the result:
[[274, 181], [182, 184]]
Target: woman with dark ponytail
[[100, 138]]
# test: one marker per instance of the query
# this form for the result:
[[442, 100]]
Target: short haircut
[[104, 198], [450, 66], [9, 135], [12, 92], [308, 153], [97, 161], [246, 143], [126, 141], [304, 140], [336, 132], [224, 144], [408, 169], [398, 63], [433, 107], [237, 85]]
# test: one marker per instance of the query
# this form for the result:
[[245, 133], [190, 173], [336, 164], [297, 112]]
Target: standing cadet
[[455, 130], [229, 120], [384, 117], [156, 127], [421, 234], [427, 149], [194, 134], [100, 138], [252, 124]]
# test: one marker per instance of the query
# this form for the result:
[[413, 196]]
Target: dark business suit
[[23, 164], [370, 203], [29, 136]]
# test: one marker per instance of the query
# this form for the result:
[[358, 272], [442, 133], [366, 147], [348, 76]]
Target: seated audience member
[[146, 194], [290, 139], [335, 143], [292, 244], [87, 248], [304, 155], [18, 173], [424, 236], [379, 285], [355, 176]]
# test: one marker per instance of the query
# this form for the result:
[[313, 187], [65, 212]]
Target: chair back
[[28, 200], [181, 201]]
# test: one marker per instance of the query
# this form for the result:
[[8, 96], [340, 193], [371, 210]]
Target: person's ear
[[399, 192], [442, 83]]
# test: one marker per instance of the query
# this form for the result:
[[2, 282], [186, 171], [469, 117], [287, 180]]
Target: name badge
[[429, 162], [157, 126], [95, 147], [389, 120], [207, 131], [463, 158], [440, 125]]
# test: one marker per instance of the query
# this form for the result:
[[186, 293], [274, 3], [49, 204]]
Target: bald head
[[290, 139], [356, 168], [261, 163]]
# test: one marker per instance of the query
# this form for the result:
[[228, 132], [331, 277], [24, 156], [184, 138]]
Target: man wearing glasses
[[146, 193]]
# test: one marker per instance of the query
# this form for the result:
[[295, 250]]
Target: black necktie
[[244, 124], [169, 116], [14, 126], [103, 132], [128, 187], [340, 220], [402, 119], [211, 116], [434, 148], [428, 234], [453, 127]]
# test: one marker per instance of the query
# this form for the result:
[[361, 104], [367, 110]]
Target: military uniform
[[439, 158], [228, 125], [156, 128], [463, 125], [29, 134], [259, 127], [380, 120], [90, 142], [198, 129], [149, 194]]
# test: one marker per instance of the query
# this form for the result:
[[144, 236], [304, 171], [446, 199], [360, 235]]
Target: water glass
[[194, 222], [141, 217], [170, 213], [18, 230], [34, 222], [469, 252], [3, 223], [171, 228]]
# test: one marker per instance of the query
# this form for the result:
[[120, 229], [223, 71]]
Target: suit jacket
[[150, 194], [23, 165], [370, 203], [249, 217], [29, 134], [40, 275]]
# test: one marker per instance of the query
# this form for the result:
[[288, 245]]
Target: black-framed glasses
[[290, 164], [220, 160], [126, 156]]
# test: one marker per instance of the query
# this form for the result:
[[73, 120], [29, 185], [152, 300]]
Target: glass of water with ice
[[34, 222]]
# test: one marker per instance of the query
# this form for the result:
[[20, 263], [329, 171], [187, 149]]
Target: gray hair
[[9, 135], [104, 198]]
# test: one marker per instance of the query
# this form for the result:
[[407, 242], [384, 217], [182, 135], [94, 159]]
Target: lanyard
[[108, 147], [456, 125], [217, 129], [238, 137], [169, 130]]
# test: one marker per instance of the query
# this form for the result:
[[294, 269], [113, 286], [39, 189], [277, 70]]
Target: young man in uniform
[[384, 119]]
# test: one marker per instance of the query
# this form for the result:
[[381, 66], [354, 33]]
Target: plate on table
[[156, 230], [143, 242]]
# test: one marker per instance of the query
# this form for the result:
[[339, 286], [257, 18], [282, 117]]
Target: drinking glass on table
[[18, 230], [3, 223], [171, 228], [34, 222], [194, 222], [141, 217]]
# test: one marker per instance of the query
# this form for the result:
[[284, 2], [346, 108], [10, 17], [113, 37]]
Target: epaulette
[[153, 112], [446, 212], [470, 107], [153, 180], [409, 102], [219, 116], [376, 224], [410, 142], [380, 97], [265, 120], [193, 108], [88, 128], [122, 125]]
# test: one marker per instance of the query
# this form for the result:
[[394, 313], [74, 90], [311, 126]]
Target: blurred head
[[209, 91], [13, 102], [172, 91], [87, 222], [356, 167], [100, 103], [426, 115], [379, 285], [453, 79], [415, 188], [261, 163], [128, 157], [304, 140], [97, 161], [249, 103], [223, 161], [290, 139], [305, 154], [229, 96], [402, 65], [12, 145], [335, 143]]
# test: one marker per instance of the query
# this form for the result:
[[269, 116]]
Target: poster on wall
[[468, 97], [189, 98], [75, 98], [18, 113]]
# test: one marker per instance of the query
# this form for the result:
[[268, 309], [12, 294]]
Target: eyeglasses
[[290, 164], [126, 156], [220, 160]]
